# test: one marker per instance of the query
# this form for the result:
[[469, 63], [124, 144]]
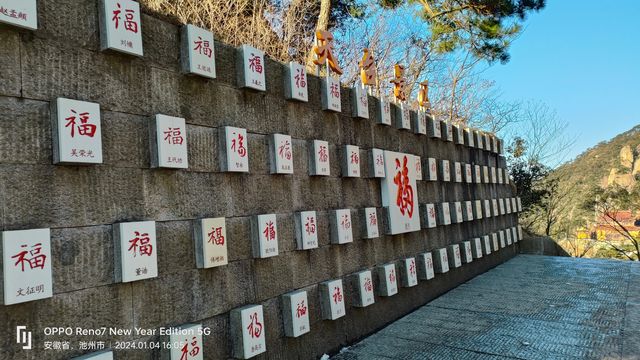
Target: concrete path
[[532, 307]]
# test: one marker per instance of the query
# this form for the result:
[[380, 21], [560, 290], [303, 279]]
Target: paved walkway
[[532, 307]]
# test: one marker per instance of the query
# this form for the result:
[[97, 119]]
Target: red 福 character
[[301, 309], [335, 91], [255, 327], [130, 24], [270, 231], [215, 236], [173, 136], [241, 150], [255, 63], [141, 243], [355, 158], [345, 222], [404, 198], [392, 276], [301, 78], [368, 285], [337, 295], [373, 219], [310, 225], [412, 267], [195, 349], [285, 150], [203, 47], [323, 155], [84, 128], [37, 259]]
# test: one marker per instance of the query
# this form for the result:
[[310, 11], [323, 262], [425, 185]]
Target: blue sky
[[582, 58]]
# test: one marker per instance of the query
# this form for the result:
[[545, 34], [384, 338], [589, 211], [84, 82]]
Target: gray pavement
[[531, 307]]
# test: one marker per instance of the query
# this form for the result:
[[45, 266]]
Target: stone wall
[[80, 203]]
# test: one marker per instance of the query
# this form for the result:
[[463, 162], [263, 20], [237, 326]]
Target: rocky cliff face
[[625, 174]]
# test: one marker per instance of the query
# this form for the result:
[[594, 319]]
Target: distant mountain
[[616, 161]]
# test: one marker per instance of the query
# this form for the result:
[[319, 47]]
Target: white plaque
[[296, 86], [507, 205], [441, 261], [387, 284], [136, 255], [364, 289], [503, 243], [457, 212], [331, 94], [468, 135], [444, 214], [467, 254], [486, 244], [479, 139], [418, 162], [432, 170], [248, 331], [377, 163], [169, 142], [351, 161], [468, 173], [251, 72], [494, 178], [449, 131], [508, 236], [21, 13], [77, 133], [487, 208], [342, 229], [319, 159], [198, 52], [295, 313], [27, 264], [458, 134], [186, 343], [502, 207], [434, 127], [265, 236], [445, 170], [332, 300], [458, 171], [494, 239], [306, 230], [496, 212], [421, 123], [384, 112], [500, 179], [120, 26], [425, 266], [409, 272], [400, 194], [519, 204], [211, 242], [455, 258], [485, 171], [477, 248], [514, 234], [403, 117], [430, 215], [360, 101], [235, 153], [468, 211], [477, 210], [520, 232], [477, 174], [371, 221], [281, 154]]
